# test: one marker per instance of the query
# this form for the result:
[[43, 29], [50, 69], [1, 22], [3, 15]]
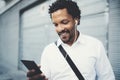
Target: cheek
[[69, 27], [57, 30], [72, 29]]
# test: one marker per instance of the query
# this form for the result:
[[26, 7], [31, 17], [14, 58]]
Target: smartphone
[[31, 65]]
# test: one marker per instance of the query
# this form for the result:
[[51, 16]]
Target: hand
[[33, 76]]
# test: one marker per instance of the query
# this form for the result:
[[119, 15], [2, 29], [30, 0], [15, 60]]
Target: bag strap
[[70, 62]]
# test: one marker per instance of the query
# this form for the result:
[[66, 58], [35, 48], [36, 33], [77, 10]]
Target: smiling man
[[87, 53]]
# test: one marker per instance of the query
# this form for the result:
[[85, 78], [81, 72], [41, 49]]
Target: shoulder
[[50, 46], [95, 45], [49, 52], [91, 40], [49, 49]]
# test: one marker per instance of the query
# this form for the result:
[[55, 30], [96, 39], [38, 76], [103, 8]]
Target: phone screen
[[31, 65]]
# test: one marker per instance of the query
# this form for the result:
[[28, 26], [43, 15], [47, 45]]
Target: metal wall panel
[[114, 36], [94, 19]]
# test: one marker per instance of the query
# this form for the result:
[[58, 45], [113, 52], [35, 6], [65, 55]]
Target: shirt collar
[[79, 40]]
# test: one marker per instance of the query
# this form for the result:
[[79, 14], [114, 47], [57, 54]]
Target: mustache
[[63, 31]]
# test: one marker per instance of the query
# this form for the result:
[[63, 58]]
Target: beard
[[66, 36]]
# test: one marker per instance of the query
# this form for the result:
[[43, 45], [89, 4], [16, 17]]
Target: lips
[[64, 36]]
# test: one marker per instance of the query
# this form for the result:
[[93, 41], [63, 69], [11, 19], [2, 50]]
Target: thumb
[[39, 66]]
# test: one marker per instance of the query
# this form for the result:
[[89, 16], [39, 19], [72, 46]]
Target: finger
[[30, 73], [39, 66], [43, 77], [38, 77], [29, 78], [46, 78]]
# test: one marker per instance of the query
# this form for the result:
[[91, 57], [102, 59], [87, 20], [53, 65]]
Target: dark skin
[[31, 76], [65, 27]]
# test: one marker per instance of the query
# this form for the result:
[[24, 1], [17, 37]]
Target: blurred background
[[26, 28]]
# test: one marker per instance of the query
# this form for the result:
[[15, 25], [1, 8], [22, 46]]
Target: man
[[86, 52]]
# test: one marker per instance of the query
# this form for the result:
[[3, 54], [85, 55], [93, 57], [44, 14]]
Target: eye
[[65, 22], [55, 24]]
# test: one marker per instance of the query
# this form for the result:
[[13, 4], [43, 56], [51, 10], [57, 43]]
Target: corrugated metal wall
[[114, 36], [94, 19]]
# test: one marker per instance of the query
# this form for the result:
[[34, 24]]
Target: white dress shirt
[[87, 53]]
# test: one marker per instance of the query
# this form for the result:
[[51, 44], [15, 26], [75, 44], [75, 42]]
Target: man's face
[[64, 25]]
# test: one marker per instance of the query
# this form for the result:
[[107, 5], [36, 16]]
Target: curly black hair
[[70, 5]]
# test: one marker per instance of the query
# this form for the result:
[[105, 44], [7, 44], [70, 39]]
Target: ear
[[76, 22]]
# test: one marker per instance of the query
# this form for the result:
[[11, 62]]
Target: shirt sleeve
[[45, 64], [103, 67]]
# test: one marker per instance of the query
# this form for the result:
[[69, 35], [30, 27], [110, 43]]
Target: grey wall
[[0, 38], [9, 34], [114, 36]]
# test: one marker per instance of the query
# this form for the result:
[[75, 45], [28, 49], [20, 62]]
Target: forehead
[[60, 15]]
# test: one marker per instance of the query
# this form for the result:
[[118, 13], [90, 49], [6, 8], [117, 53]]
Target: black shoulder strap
[[70, 62]]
